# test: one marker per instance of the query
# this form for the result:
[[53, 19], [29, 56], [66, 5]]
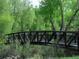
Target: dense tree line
[[20, 15]]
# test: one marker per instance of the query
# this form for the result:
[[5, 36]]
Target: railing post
[[8, 39], [13, 39], [24, 37], [65, 38], [37, 34], [45, 37], [77, 40]]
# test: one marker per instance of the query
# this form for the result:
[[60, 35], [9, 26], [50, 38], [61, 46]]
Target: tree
[[59, 9], [22, 19], [5, 18], [47, 9], [72, 18]]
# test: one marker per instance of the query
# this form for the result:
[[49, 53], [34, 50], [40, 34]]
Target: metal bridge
[[63, 39]]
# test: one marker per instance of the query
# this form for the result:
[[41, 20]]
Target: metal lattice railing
[[61, 38]]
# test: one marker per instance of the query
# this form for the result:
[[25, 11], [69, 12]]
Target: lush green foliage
[[19, 15]]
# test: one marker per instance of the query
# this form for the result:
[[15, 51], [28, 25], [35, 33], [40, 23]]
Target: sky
[[35, 2]]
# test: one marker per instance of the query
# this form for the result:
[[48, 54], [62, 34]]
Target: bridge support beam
[[64, 35], [78, 40]]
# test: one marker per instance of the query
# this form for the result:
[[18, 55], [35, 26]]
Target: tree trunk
[[62, 17], [22, 25], [52, 23]]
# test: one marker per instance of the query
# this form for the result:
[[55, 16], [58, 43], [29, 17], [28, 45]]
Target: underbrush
[[26, 51], [29, 51]]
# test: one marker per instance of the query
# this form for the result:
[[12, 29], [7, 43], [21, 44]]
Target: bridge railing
[[68, 38]]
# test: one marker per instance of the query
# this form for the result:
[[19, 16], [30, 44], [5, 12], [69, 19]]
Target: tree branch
[[53, 27], [71, 19]]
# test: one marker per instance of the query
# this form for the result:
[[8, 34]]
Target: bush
[[26, 51]]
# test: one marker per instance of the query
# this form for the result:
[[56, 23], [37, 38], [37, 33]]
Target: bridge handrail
[[42, 31]]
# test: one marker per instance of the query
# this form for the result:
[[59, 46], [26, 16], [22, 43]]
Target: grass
[[74, 57]]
